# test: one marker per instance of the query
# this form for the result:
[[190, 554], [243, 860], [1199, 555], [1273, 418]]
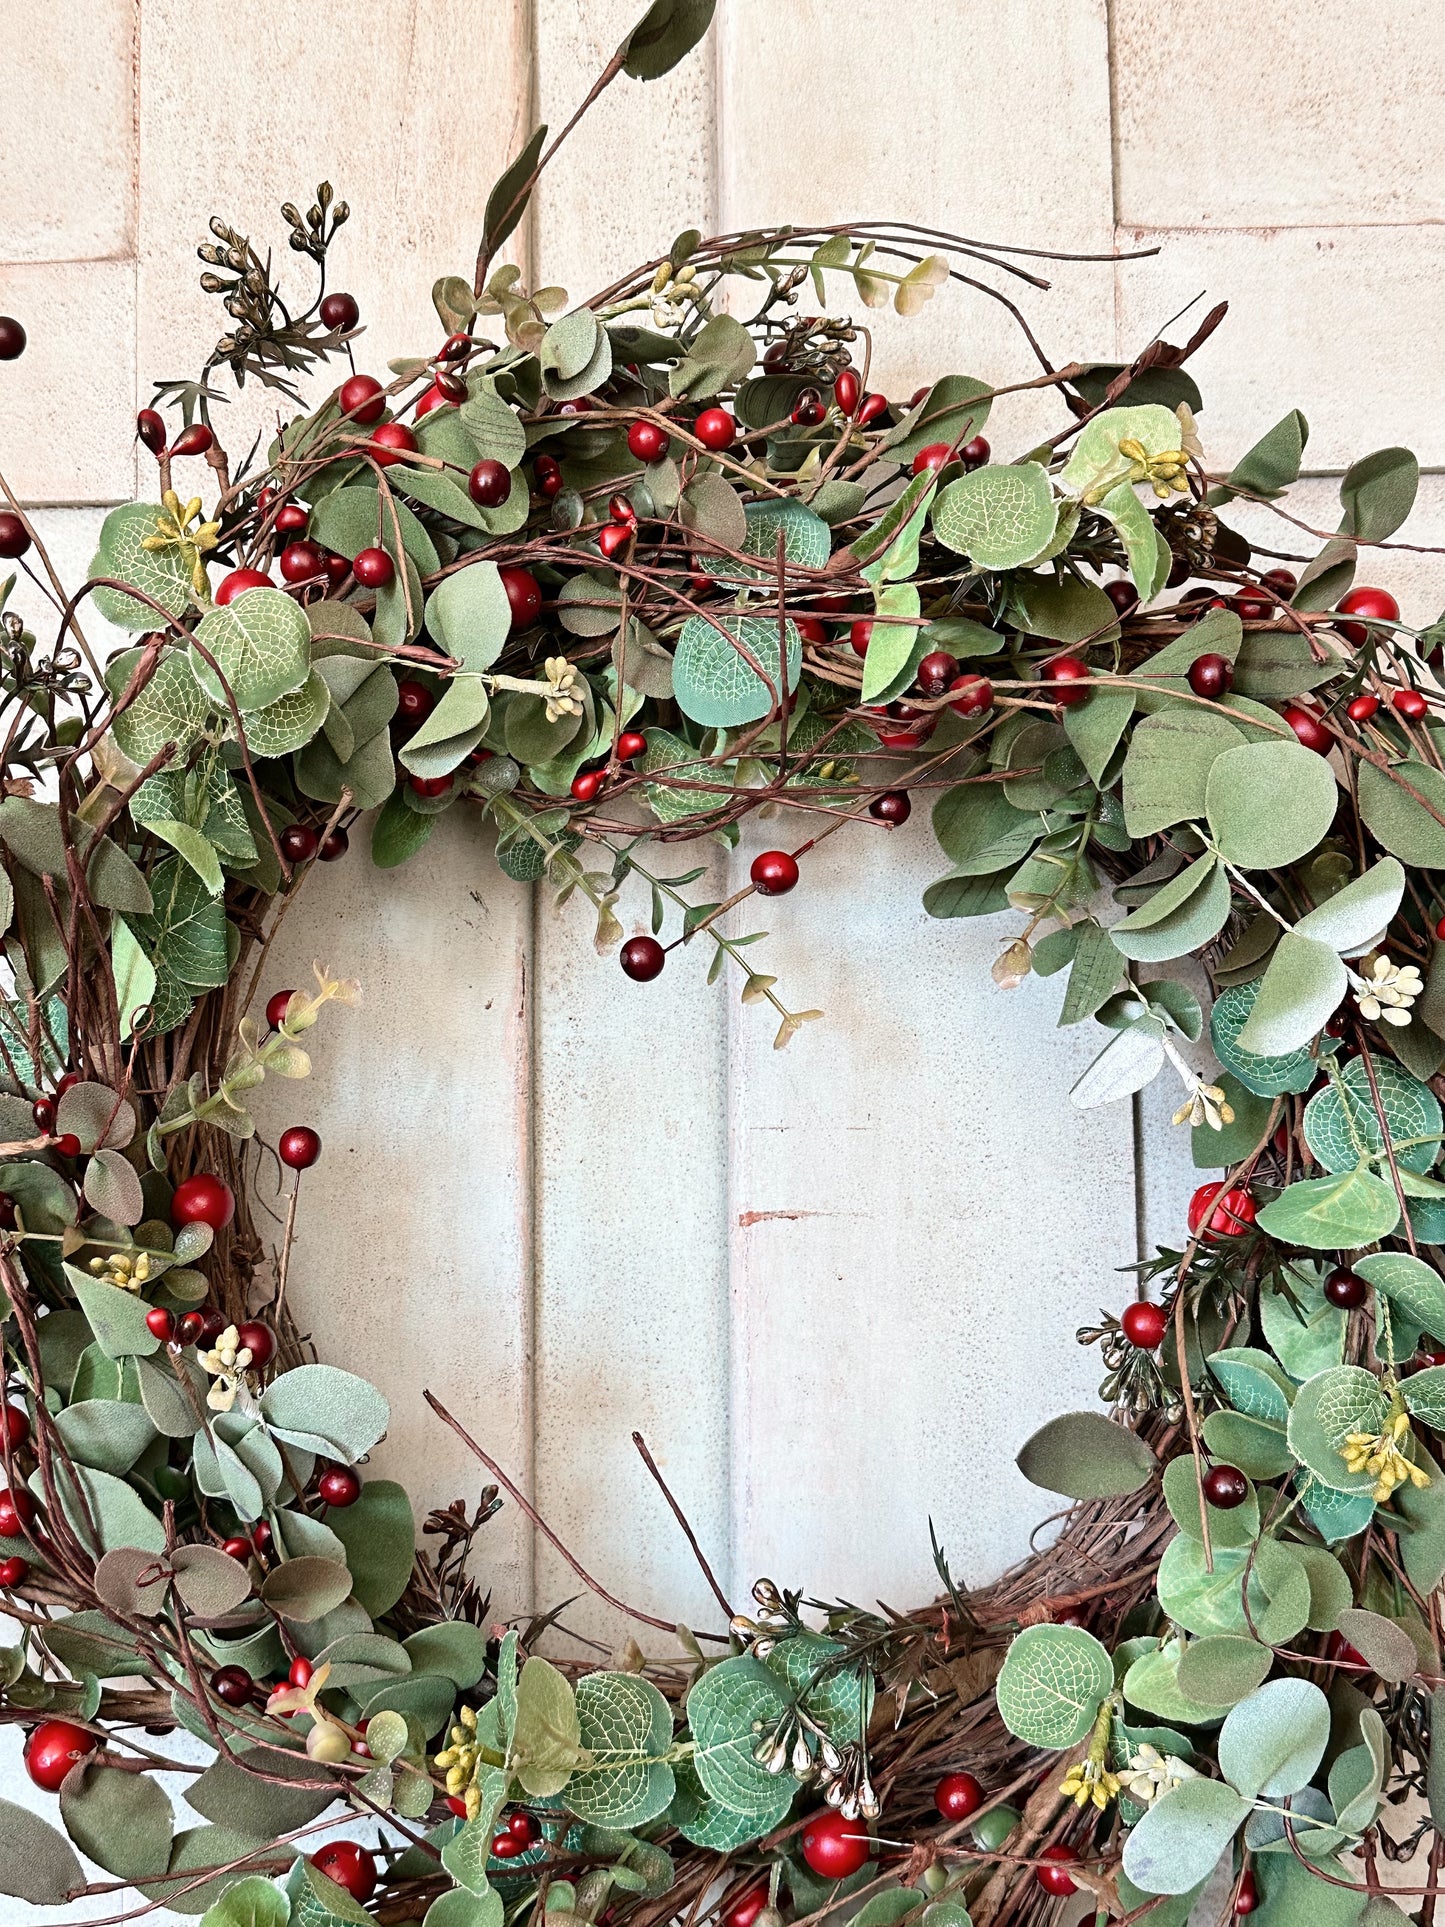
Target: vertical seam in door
[[1136, 1127]]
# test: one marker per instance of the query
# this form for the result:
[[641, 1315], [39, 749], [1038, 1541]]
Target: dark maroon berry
[[340, 311], [1226, 1487]]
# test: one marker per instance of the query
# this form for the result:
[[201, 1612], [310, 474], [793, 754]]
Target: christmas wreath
[[613, 580]]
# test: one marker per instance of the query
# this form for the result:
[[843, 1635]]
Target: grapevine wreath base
[[613, 580]]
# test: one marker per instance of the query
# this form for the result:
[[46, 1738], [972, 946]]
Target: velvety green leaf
[[1404, 809], [1179, 1839], [1170, 757], [1333, 1214], [1358, 916], [1269, 803], [253, 1901], [1378, 492], [37, 1862], [323, 1409], [506, 203], [1272, 1742], [116, 1317], [1300, 990], [452, 730], [954, 410], [546, 1739], [1086, 1456], [1223, 1668], [122, 1821], [469, 615]]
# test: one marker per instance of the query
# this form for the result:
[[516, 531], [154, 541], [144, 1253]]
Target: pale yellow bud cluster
[[1165, 472], [564, 682], [1381, 1454], [125, 1272], [459, 1761]]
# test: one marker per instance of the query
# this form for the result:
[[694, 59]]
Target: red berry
[[1246, 1894], [213, 1323], [300, 1670], [957, 1795], [259, 1341], [1071, 675], [586, 783], [434, 397], [390, 442], [190, 1328], [1339, 1649], [237, 1549], [834, 1847], [161, 1324], [301, 562], [745, 1910], [350, 1866], [549, 476], [14, 536], [1211, 676], [431, 786], [195, 440], [337, 568], [975, 454], [808, 409], [1377, 604], [43, 1111], [414, 701], [276, 1006], [1144, 1325], [456, 348], [17, 1426], [630, 745], [621, 510], [811, 630], [1251, 606], [150, 428], [339, 1486], [261, 1535], [17, 1510], [715, 428], [1362, 708], [613, 536], [291, 519], [340, 311], [1409, 703], [846, 390], [524, 594], [489, 484], [1308, 728], [203, 1199], [361, 399], [12, 338], [642, 959], [647, 441], [506, 1846], [1230, 1212], [860, 634], [456, 1806], [232, 1685], [873, 407], [1122, 594], [582, 405], [237, 583], [373, 568], [936, 671], [774, 873], [972, 695], [68, 1145], [1225, 1486], [1052, 1878], [53, 1749], [524, 1827], [298, 842], [1346, 1289], [892, 806], [1283, 581], [933, 457], [13, 1572], [334, 846]]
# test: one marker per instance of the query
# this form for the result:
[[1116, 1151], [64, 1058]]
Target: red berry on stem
[[301, 562], [12, 338], [811, 630], [582, 405], [1070, 675], [1211, 676], [1376, 604], [361, 399], [261, 1535], [373, 568], [195, 440], [259, 1341], [774, 873], [17, 1426], [150, 428], [334, 846], [846, 390], [13, 1571], [892, 806], [1308, 728], [238, 582], [549, 476], [1409, 703], [299, 1672], [17, 1510], [291, 519], [232, 1685], [276, 1006], [1144, 1325], [340, 311], [1284, 582], [933, 457], [68, 1145], [524, 594], [621, 510], [43, 1111], [53, 1749], [936, 671], [975, 454], [642, 959], [860, 634], [489, 484], [390, 442], [834, 1847], [456, 347], [237, 1549], [1229, 1211], [630, 745], [745, 1910], [433, 398], [1226, 1487], [646, 441], [1346, 1289], [430, 786], [808, 409], [1246, 1894], [715, 428], [414, 701], [523, 1826], [586, 784], [339, 1486], [14, 536], [203, 1199], [1362, 708], [350, 1866], [190, 1328], [298, 842], [161, 1324], [1123, 595], [456, 1806], [957, 1795], [1250, 606], [971, 695], [506, 1846], [873, 407], [614, 536], [1052, 1878]]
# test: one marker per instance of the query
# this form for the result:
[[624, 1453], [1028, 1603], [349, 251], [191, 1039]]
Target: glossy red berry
[[586, 784], [238, 582], [12, 338], [1123, 595], [340, 311], [1409, 703], [456, 1806], [373, 568], [970, 695], [1362, 708], [232, 1685], [299, 1147], [150, 428], [975, 454], [523, 1826], [291, 519], [339, 1486], [892, 806], [936, 671], [613, 537], [259, 1340], [933, 457], [43, 1111], [1052, 1878], [429, 786], [746, 1908], [1339, 1649], [334, 847], [434, 397], [190, 1328], [67, 1145], [549, 476], [1346, 1289], [456, 347], [1284, 582], [580, 405], [957, 1795], [1229, 1211], [362, 399], [17, 1510], [1225, 1486], [298, 842], [414, 701], [1309, 730], [13, 1572], [873, 407], [237, 1549], [774, 873], [834, 1847], [276, 1006], [1376, 604], [1246, 1894], [630, 745], [350, 1866], [860, 634], [161, 1324], [489, 484], [847, 389], [17, 1426], [299, 1672], [646, 441], [195, 440], [390, 442], [811, 631], [301, 562], [53, 1749], [715, 429], [1144, 1325], [506, 1846], [262, 1535], [808, 409], [14, 536], [524, 595], [1251, 606], [203, 1199], [642, 959], [1070, 677], [1211, 676]]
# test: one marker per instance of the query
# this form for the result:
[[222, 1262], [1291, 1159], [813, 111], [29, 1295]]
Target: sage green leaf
[[37, 1862], [708, 1823], [714, 683], [1053, 1682], [261, 646], [1272, 1742], [493, 427], [1307, 1336], [1181, 1837], [726, 1709], [426, 1699], [1333, 1214], [546, 1738], [1357, 917], [1378, 492], [119, 1514], [252, 1902], [575, 356], [1165, 772], [1266, 1076], [116, 1317], [1096, 728], [1357, 1775], [1095, 465], [368, 772], [170, 708], [1403, 809], [1223, 1668], [1212, 1149], [186, 932], [459, 1908], [1326, 1409], [1343, 1128], [452, 730], [1093, 976], [1152, 1684], [291, 721], [954, 410], [210, 1582], [1422, 1546], [306, 1589], [530, 737], [452, 1647], [894, 638], [999, 516], [107, 1434], [1276, 663], [1384, 1644], [720, 354], [981, 831], [1331, 1588], [469, 615], [1300, 991], [162, 574], [121, 1821], [1213, 1602], [507, 201], [1125, 1065], [1269, 803], [1086, 1456], [1065, 609], [323, 1409], [1147, 552], [1154, 934], [1273, 463], [318, 1901], [112, 1188], [712, 508], [97, 1115], [625, 1725], [967, 896], [134, 974], [193, 848], [398, 832]]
